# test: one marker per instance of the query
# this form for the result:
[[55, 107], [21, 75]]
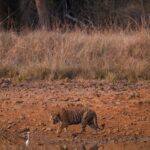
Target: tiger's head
[[55, 118]]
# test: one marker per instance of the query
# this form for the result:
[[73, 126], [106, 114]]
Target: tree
[[43, 14], [23, 13]]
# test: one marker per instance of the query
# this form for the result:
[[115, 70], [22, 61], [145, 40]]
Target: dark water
[[77, 146], [127, 143]]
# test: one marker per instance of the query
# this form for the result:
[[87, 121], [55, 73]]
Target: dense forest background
[[91, 13], [121, 50], [104, 13]]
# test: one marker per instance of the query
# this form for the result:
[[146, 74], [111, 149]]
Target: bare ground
[[123, 107]]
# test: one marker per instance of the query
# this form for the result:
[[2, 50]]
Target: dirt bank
[[123, 107]]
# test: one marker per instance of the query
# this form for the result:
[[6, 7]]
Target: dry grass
[[54, 55]]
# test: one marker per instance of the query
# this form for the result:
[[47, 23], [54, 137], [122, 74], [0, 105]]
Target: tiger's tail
[[96, 123]]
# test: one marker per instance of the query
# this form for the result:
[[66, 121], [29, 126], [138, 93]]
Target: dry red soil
[[123, 107]]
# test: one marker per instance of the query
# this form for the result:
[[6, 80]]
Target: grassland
[[55, 55]]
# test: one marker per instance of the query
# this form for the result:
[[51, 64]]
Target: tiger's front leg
[[59, 130], [62, 127]]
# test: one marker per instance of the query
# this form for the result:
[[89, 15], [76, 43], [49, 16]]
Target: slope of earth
[[123, 107]]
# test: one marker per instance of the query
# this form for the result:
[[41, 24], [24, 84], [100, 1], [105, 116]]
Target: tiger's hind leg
[[93, 123], [93, 126]]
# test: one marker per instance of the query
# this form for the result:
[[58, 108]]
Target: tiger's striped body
[[72, 115]]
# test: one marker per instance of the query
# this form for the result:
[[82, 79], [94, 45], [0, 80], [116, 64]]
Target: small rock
[[115, 130], [43, 124], [49, 129], [8, 127], [109, 131], [19, 102], [66, 99], [144, 118], [40, 144], [22, 117], [117, 103], [4, 83], [98, 94], [43, 129], [11, 125], [10, 122]]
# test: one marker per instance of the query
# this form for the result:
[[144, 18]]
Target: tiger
[[72, 115]]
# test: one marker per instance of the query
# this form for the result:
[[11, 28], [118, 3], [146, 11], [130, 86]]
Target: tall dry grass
[[55, 55]]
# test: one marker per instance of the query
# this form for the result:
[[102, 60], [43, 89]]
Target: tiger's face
[[55, 118]]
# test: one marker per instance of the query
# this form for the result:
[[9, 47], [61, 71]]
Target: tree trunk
[[44, 20], [3, 14], [27, 16]]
